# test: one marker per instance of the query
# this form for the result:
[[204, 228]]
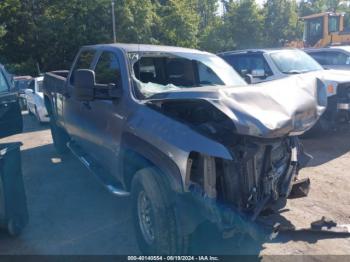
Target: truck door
[[10, 113], [72, 108], [103, 119]]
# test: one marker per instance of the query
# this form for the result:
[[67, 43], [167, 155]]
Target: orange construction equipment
[[321, 30]]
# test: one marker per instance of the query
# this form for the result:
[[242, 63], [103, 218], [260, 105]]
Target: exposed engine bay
[[261, 172]]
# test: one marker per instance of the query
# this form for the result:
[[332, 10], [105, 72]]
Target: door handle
[[87, 105]]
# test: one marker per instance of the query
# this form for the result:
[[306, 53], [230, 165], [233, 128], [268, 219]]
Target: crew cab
[[262, 65], [179, 131], [10, 113]]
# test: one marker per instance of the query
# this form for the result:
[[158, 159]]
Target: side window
[[3, 84], [333, 24], [319, 57], [245, 64], [32, 85], [338, 58], [84, 62], [206, 76], [107, 70], [331, 58]]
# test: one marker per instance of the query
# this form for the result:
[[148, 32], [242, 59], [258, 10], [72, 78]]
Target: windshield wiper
[[293, 72]]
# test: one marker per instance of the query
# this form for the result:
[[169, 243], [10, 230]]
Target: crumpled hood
[[289, 106]]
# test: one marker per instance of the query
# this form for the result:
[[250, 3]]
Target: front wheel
[[154, 216]]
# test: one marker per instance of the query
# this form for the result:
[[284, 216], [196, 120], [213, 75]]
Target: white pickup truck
[[35, 100]]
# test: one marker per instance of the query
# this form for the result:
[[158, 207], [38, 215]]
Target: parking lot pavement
[[70, 213]]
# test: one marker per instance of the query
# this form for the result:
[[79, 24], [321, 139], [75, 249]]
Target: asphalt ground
[[72, 214]]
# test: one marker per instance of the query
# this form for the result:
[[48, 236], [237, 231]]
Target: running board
[[98, 171]]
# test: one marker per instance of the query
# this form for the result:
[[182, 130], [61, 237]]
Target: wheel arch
[[48, 105], [138, 154]]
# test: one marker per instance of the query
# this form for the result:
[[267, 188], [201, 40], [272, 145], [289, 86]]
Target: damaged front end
[[236, 148], [233, 193]]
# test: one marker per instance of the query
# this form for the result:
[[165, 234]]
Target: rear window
[[40, 85]]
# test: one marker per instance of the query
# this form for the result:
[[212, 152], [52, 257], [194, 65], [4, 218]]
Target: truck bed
[[55, 81]]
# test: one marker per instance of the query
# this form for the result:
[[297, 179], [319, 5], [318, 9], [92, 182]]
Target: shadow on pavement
[[71, 213], [327, 146], [31, 124]]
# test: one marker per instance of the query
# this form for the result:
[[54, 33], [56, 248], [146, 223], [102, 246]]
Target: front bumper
[[230, 221], [343, 106], [195, 207], [343, 102]]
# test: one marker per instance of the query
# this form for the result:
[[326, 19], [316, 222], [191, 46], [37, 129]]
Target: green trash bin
[[13, 203]]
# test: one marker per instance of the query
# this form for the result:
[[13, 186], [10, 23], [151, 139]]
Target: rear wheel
[[154, 215], [37, 115], [14, 227], [59, 136]]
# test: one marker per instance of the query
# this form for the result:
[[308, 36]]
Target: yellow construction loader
[[321, 30]]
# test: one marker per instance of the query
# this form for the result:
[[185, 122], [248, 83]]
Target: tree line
[[46, 34]]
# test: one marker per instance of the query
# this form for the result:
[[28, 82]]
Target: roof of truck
[[257, 50], [149, 48], [345, 48]]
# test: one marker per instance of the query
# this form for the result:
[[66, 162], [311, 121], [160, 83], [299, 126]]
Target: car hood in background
[[338, 76], [288, 106]]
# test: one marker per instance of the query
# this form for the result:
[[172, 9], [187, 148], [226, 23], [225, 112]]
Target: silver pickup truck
[[179, 131]]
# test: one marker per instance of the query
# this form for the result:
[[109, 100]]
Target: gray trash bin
[[13, 204]]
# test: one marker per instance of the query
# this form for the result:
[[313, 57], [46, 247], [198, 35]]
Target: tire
[[59, 136], [37, 115], [154, 216], [14, 227]]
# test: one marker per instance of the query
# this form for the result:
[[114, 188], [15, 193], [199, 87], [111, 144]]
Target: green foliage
[[48, 33], [281, 22], [244, 24], [178, 23]]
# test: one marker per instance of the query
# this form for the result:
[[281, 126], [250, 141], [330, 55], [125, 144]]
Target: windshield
[[22, 84], [156, 73], [294, 62], [3, 83]]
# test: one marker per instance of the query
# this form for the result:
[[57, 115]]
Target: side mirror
[[114, 91], [84, 84], [258, 73], [249, 78]]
